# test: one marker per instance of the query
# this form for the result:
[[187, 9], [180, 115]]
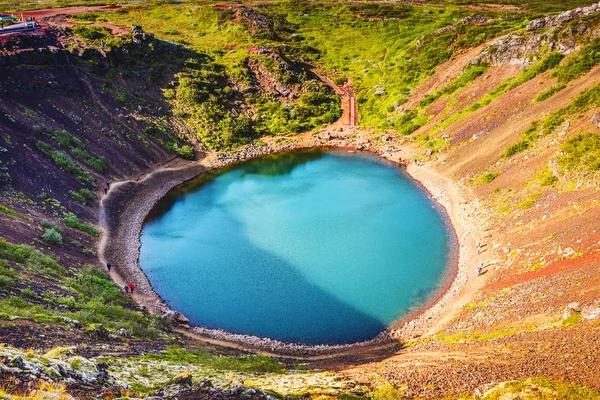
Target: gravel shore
[[125, 207]]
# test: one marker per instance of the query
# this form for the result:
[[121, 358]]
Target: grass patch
[[470, 73], [486, 177], [580, 63], [8, 211], [528, 201], [96, 300], [65, 163], [250, 363], [546, 178], [53, 236], [516, 148], [546, 94], [581, 152], [82, 196], [73, 222], [546, 390]]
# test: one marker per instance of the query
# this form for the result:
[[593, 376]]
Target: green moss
[[486, 177], [518, 147], [572, 319], [98, 301], [545, 389], [545, 95], [73, 222], [250, 363], [581, 152], [8, 211], [579, 63], [52, 236], [82, 196]]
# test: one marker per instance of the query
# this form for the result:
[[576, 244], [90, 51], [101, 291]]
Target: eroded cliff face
[[518, 137]]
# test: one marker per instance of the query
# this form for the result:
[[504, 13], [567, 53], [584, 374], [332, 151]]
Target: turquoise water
[[311, 247]]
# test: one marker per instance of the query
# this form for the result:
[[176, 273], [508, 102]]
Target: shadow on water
[[267, 296], [269, 165]]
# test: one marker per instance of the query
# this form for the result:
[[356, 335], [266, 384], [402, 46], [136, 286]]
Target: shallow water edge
[[127, 205]]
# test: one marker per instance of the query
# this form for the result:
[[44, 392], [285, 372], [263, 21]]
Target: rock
[[183, 378], [176, 317], [536, 25], [379, 91], [592, 311], [103, 375], [570, 309], [99, 333], [124, 333], [428, 152], [564, 128]]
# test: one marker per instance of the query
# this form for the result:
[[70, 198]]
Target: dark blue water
[[307, 247]]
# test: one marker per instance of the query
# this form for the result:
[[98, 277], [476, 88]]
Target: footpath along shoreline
[[124, 209]]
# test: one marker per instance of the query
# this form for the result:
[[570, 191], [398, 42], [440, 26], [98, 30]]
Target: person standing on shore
[[131, 287]]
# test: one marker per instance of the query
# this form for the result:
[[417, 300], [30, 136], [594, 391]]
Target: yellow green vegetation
[[86, 296], [581, 152], [582, 103], [9, 211], [539, 389]]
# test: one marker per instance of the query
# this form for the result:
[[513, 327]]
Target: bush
[[97, 164], [185, 151], [516, 148], [73, 222], [82, 196], [580, 63], [89, 252], [545, 95], [52, 236], [8, 211], [91, 33], [487, 178], [50, 225], [581, 152], [6, 282]]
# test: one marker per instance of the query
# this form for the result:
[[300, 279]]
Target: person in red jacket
[[131, 287]]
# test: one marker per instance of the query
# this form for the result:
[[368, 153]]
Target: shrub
[[89, 252], [7, 275], [91, 33], [65, 140], [545, 95], [97, 164], [50, 225], [6, 282], [581, 152], [8, 211], [52, 236], [487, 177], [580, 63], [65, 163], [516, 148], [185, 151], [73, 222], [82, 196]]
